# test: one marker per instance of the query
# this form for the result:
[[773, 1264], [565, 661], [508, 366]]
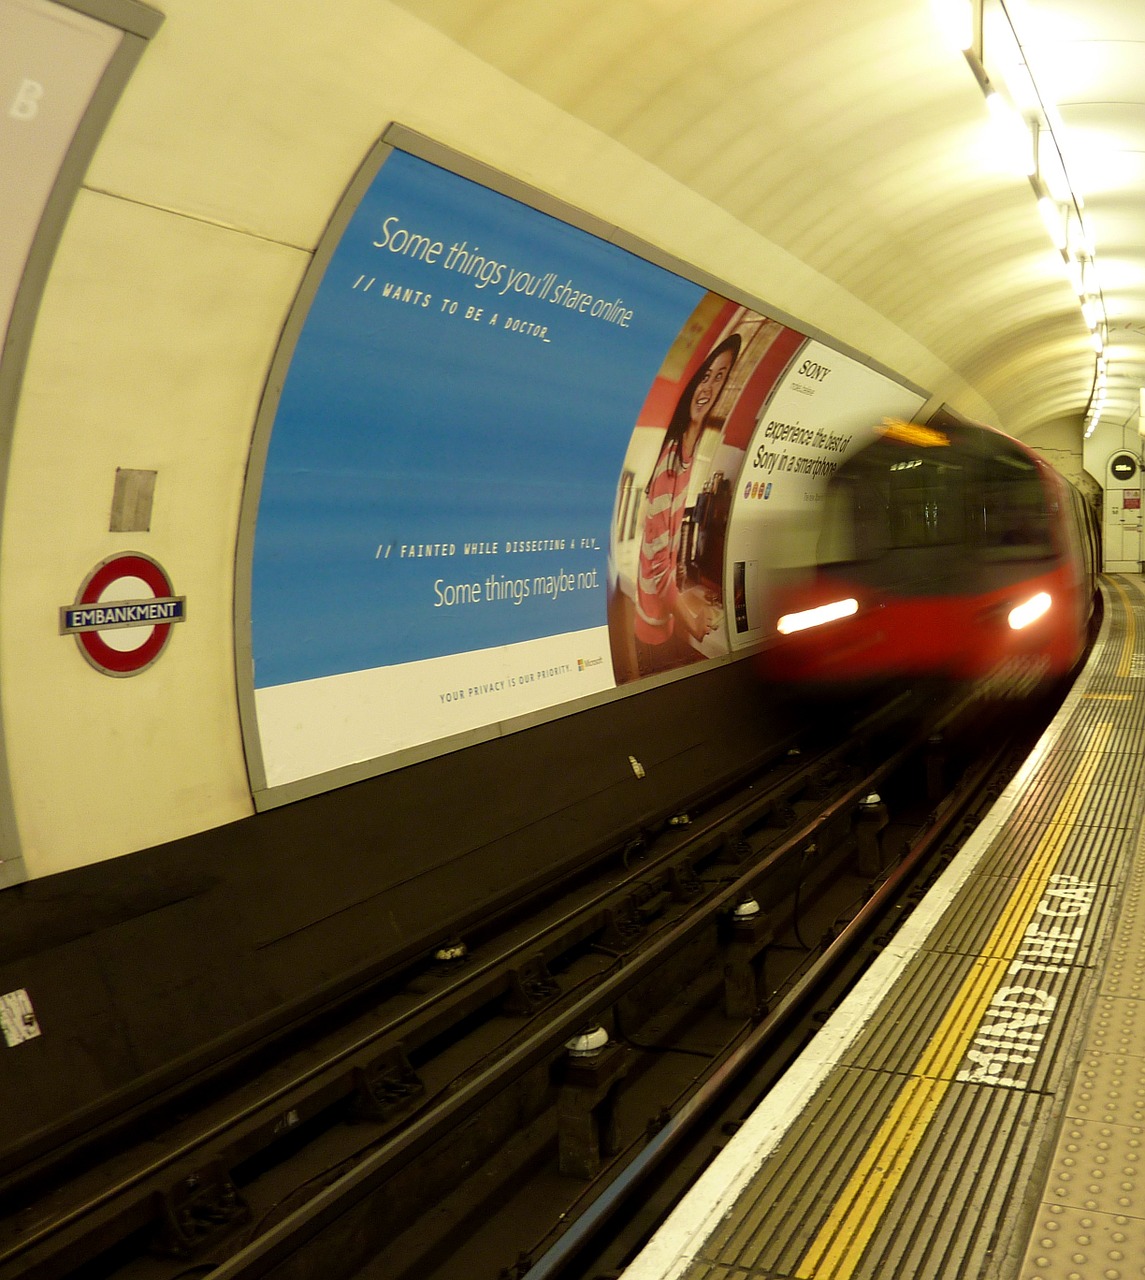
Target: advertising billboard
[[504, 473]]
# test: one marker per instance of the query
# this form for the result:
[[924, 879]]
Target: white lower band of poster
[[315, 726]]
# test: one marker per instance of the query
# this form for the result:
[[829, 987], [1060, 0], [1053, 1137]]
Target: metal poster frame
[[399, 138]]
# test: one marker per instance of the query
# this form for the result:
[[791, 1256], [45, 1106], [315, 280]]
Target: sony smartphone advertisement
[[512, 465]]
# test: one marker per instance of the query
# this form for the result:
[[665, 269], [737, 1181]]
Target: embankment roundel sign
[[123, 614]]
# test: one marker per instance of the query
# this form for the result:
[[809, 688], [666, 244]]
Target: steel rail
[[291, 1233], [680, 1128], [475, 986]]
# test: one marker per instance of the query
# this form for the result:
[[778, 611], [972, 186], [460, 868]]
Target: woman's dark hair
[[682, 413]]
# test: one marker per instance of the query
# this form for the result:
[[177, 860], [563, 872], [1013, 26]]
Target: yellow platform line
[[1125, 666], [841, 1241]]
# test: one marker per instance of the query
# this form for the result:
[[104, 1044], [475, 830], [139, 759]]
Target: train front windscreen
[[936, 518]]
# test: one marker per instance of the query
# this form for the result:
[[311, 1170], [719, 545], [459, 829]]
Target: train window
[[887, 500], [854, 521], [836, 532], [1014, 515], [925, 503]]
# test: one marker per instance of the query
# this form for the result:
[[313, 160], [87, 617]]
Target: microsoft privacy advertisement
[[501, 475]]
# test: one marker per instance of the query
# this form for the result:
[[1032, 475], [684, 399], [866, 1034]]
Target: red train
[[946, 550]]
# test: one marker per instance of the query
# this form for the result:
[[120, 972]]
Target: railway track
[[471, 1123]]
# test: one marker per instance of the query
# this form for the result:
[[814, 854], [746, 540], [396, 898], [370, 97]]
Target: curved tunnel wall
[[152, 350], [184, 251]]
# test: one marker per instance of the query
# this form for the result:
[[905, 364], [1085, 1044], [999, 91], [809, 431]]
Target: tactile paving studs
[[1072, 1244], [1109, 1089], [1117, 1026], [1098, 1168], [1125, 965]]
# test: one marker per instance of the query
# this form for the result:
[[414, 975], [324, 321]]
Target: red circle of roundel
[[118, 661]]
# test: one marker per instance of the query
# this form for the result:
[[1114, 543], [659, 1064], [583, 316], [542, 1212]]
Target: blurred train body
[[946, 551]]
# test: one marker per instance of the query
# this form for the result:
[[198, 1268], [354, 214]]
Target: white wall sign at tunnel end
[[123, 614]]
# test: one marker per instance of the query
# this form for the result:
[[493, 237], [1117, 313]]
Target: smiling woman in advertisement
[[666, 617]]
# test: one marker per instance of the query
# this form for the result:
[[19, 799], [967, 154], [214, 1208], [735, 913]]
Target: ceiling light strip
[[1058, 203]]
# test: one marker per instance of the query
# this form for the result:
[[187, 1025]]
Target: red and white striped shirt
[[656, 589]]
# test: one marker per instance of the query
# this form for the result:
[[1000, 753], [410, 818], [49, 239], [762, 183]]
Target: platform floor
[[976, 1105]]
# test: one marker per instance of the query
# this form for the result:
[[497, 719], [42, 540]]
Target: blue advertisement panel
[[442, 468], [501, 475], [450, 428]]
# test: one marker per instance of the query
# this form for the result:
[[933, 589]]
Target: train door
[[1122, 514]]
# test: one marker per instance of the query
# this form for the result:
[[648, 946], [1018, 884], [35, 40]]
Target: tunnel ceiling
[[856, 136]]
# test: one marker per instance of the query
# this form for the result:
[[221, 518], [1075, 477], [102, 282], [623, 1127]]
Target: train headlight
[[816, 617], [1033, 609]]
